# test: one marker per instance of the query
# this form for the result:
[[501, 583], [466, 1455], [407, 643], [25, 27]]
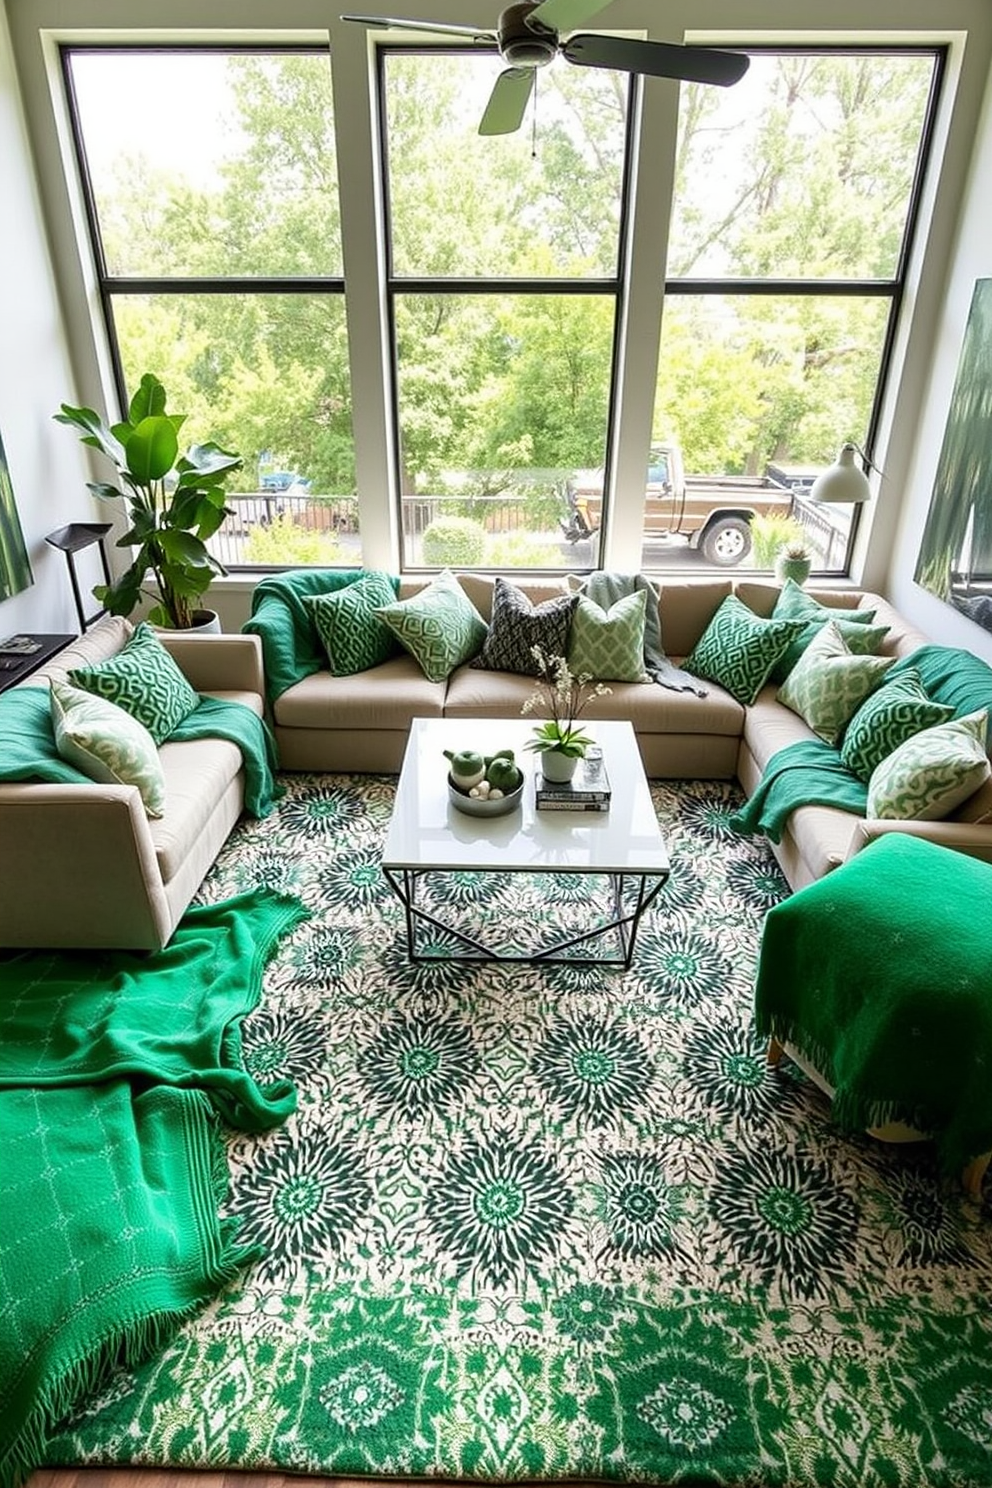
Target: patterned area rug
[[552, 1222]]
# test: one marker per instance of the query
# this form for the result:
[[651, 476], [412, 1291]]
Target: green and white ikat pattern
[[887, 718], [828, 683], [738, 649], [547, 1222], [440, 626], [144, 680], [107, 744], [350, 631], [931, 773], [608, 645]]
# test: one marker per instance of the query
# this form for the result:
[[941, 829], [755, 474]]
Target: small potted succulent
[[794, 561]]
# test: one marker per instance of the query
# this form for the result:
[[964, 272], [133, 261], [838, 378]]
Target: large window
[[505, 272], [793, 206], [503, 264], [217, 237]]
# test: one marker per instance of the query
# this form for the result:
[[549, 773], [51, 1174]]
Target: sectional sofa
[[82, 864], [360, 722]]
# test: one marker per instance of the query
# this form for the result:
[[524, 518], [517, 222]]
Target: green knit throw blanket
[[116, 1242], [28, 752], [114, 1070], [291, 647], [174, 1018], [880, 975]]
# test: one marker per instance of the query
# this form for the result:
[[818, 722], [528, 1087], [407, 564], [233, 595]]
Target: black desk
[[16, 668]]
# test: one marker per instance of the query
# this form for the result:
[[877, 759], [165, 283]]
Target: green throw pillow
[[855, 626], [144, 680], [899, 709], [106, 744], [350, 630], [608, 645], [738, 649], [828, 683], [932, 773], [440, 626]]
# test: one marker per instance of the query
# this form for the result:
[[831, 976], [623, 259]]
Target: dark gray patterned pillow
[[517, 625]]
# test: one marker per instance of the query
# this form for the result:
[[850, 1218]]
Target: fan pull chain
[[533, 125]]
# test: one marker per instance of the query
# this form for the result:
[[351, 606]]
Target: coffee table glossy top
[[428, 832]]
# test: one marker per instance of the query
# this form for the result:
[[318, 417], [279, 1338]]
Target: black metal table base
[[623, 926]]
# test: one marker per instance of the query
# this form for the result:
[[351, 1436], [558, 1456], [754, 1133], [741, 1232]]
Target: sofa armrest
[[78, 867], [973, 838], [218, 663]]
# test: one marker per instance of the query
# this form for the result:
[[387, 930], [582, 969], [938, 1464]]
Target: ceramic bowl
[[477, 806]]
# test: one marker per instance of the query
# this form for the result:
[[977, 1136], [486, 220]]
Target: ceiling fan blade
[[392, 23], [691, 64], [565, 15], [508, 101]]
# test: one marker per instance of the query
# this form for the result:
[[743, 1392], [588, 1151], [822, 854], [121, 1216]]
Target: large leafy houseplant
[[175, 503]]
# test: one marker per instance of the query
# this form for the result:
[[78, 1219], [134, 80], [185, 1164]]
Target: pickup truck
[[713, 512]]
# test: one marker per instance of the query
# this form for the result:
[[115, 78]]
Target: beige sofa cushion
[[197, 773], [385, 697], [685, 610]]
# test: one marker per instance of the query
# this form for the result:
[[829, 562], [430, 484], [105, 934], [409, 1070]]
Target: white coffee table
[[429, 836]]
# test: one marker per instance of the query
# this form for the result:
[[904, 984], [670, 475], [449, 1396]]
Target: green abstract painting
[[955, 560], [15, 566]]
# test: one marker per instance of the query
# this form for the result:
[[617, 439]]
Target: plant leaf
[[152, 449]]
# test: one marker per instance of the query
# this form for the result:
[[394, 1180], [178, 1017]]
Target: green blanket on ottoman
[[880, 975]]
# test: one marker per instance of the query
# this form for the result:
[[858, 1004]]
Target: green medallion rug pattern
[[548, 1222]]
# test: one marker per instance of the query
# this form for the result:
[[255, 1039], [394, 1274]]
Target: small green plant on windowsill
[[794, 562]]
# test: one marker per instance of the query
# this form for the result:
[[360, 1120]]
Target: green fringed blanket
[[114, 1070], [27, 743], [881, 975], [116, 1241]]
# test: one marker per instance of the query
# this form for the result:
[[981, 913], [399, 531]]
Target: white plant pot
[[205, 622], [557, 766]]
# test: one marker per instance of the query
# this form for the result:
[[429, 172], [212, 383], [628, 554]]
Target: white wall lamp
[[843, 481]]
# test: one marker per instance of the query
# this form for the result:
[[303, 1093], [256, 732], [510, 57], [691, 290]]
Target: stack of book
[[586, 791]]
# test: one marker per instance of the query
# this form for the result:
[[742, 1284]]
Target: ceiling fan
[[528, 36]]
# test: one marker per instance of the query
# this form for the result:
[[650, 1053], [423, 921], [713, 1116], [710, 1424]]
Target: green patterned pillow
[[899, 709], [828, 683], [738, 649], [608, 645], [144, 680], [855, 626], [106, 744], [350, 630], [440, 626], [932, 773]]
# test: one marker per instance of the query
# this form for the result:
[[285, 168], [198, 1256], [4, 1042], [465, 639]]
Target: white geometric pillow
[[932, 773], [106, 744]]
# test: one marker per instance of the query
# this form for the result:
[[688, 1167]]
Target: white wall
[[46, 468], [971, 260]]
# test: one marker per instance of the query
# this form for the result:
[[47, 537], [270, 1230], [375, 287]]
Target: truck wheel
[[727, 542]]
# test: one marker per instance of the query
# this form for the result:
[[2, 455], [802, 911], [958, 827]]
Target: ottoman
[[878, 978]]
